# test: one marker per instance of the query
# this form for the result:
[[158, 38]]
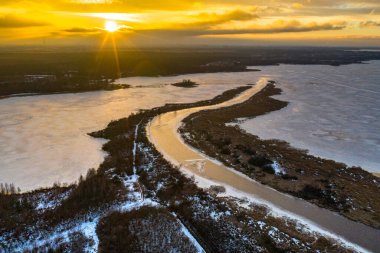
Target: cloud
[[148, 5], [82, 30], [360, 37], [93, 30], [113, 5], [13, 21], [279, 26], [212, 19], [186, 19], [284, 27], [367, 24], [236, 15], [297, 6]]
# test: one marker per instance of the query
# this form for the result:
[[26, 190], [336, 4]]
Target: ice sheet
[[334, 112], [43, 139]]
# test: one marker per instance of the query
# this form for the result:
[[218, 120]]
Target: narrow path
[[135, 148], [163, 133]]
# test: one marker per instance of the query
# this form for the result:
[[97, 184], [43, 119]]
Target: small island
[[186, 84]]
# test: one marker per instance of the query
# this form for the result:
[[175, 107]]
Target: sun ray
[[98, 55], [116, 54]]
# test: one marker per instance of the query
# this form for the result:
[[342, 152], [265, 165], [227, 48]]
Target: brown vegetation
[[218, 224], [186, 84], [148, 229], [350, 191], [91, 192]]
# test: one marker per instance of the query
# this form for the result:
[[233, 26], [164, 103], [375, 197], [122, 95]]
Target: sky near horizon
[[183, 22]]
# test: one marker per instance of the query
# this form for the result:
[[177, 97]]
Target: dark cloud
[[214, 19], [277, 27], [291, 27], [369, 24], [94, 30], [83, 30], [12, 21]]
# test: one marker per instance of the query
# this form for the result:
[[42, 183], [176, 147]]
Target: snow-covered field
[[334, 113]]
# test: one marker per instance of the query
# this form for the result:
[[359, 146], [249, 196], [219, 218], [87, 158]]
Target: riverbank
[[27, 89], [349, 191], [135, 175], [163, 133]]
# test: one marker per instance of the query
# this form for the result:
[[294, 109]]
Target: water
[[334, 112], [43, 138], [162, 132]]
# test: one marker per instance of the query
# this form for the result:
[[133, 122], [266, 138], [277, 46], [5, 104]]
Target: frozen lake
[[334, 112], [43, 139]]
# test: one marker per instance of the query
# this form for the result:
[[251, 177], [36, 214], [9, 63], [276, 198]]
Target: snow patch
[[278, 170], [190, 236]]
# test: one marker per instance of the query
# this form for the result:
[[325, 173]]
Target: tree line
[[9, 189]]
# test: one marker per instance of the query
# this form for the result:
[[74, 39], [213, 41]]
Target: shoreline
[[205, 183], [122, 86], [135, 169], [32, 94], [255, 68], [292, 178], [240, 182]]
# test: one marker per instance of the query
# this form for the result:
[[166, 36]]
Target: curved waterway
[[163, 133]]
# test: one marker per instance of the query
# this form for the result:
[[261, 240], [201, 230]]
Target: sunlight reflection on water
[[334, 112], [43, 139]]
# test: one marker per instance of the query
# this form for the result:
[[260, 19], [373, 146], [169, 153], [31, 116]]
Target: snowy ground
[[67, 233], [305, 225]]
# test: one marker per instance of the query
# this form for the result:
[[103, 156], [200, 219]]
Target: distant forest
[[93, 69], [152, 62]]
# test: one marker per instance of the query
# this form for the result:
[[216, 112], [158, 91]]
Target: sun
[[111, 26]]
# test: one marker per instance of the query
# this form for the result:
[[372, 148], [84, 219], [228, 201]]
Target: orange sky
[[185, 22]]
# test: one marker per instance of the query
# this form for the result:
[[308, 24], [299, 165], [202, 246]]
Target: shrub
[[259, 161], [93, 191]]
